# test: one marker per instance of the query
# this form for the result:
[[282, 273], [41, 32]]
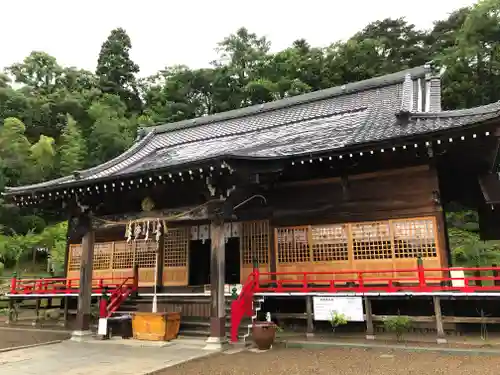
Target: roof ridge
[[348, 88]]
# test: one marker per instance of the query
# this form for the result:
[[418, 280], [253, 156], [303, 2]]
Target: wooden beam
[[370, 333], [217, 279], [310, 316], [85, 290], [441, 338], [414, 319], [354, 177]]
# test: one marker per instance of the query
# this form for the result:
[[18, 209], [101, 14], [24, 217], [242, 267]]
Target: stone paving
[[99, 358]]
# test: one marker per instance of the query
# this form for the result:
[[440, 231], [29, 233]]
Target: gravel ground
[[10, 338], [337, 362]]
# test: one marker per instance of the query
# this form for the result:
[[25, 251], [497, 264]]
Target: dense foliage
[[55, 119]]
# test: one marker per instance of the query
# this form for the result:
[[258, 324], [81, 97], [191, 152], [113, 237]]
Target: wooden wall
[[375, 221]]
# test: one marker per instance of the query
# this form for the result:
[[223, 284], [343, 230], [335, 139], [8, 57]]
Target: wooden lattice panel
[[329, 243], [371, 240], [254, 242], [102, 256], [293, 245], [75, 257], [145, 253], [176, 245], [414, 238], [123, 256]]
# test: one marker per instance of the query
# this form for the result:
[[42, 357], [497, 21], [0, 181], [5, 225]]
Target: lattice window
[[371, 240], [329, 243], [75, 257], [254, 242], [293, 245], [414, 237], [123, 256], [102, 256], [176, 245], [145, 253]]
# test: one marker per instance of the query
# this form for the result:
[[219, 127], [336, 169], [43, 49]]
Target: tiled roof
[[336, 118]]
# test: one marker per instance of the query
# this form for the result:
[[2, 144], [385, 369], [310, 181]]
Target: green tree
[[116, 71], [14, 150], [111, 132], [72, 150], [43, 157]]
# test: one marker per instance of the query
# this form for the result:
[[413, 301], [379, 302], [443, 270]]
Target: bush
[[398, 324], [337, 319], [2, 267]]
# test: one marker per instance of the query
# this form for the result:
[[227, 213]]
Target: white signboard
[[351, 307], [102, 328]]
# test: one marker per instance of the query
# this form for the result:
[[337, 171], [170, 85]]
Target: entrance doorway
[[232, 272], [199, 263]]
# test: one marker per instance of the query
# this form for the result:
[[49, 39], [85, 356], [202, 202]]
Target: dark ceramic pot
[[263, 334]]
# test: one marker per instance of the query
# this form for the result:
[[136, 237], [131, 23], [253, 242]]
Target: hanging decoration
[[142, 229], [158, 231], [129, 232]]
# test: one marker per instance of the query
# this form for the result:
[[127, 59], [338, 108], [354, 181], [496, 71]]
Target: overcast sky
[[168, 32]]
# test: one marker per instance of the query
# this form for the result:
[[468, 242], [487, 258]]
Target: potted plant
[[264, 332]]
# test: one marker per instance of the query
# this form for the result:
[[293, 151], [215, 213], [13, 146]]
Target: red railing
[[243, 305], [416, 280], [67, 285]]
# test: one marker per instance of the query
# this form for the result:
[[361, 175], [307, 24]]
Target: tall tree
[[14, 150], [72, 149], [42, 155], [116, 71]]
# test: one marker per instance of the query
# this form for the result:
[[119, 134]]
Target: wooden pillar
[[160, 257], [37, 312], [85, 287], [441, 338], [370, 333], [65, 311], [217, 273], [310, 316], [272, 251]]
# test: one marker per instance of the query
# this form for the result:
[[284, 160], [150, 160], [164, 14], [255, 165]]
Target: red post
[[421, 272], [304, 282], [361, 283], [256, 277], [103, 307], [13, 283]]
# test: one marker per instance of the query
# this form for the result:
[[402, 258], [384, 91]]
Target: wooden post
[[65, 311], [11, 312], [161, 262], [370, 332], [272, 252], [217, 277], [85, 289], [37, 312], [441, 338], [310, 317]]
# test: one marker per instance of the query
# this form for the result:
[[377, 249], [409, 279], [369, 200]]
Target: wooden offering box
[[156, 326]]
